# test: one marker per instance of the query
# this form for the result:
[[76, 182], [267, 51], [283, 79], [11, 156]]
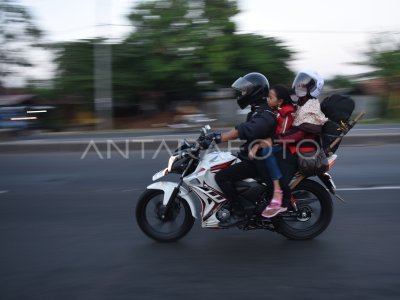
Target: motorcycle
[[166, 210]]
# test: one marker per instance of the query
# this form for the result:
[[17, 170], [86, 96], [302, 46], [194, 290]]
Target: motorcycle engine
[[223, 214]]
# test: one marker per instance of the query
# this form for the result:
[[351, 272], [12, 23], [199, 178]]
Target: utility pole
[[103, 101]]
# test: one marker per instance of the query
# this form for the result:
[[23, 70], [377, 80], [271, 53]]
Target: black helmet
[[253, 87]]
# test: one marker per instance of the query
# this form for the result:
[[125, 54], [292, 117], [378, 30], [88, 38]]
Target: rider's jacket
[[260, 125]]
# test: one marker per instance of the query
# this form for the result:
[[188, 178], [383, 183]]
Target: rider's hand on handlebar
[[206, 141]]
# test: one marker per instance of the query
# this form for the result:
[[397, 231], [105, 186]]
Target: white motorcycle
[[166, 210]]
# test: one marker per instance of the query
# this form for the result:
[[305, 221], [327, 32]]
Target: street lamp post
[[103, 101], [103, 85]]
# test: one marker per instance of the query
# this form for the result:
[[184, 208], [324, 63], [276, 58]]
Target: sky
[[327, 36]]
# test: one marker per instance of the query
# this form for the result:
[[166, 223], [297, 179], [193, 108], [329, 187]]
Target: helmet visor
[[302, 84], [243, 86]]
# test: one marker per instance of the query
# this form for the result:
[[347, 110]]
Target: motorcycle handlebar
[[203, 133]]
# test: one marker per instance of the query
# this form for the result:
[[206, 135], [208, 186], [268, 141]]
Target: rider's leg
[[226, 179]]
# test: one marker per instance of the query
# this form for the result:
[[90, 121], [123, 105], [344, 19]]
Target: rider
[[260, 124]]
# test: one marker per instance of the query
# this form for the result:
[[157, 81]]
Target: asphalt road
[[68, 231]]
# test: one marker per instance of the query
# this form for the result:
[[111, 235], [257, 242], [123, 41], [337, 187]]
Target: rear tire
[[149, 211], [316, 209]]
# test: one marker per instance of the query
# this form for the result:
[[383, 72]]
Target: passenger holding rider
[[261, 124]]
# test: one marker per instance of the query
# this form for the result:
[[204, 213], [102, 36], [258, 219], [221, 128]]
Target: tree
[[168, 49], [263, 54], [340, 82], [182, 48], [18, 34], [75, 65], [178, 50], [384, 58]]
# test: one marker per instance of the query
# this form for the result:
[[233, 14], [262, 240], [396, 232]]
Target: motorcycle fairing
[[167, 187]]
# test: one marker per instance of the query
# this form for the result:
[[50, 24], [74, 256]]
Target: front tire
[[160, 225], [315, 212]]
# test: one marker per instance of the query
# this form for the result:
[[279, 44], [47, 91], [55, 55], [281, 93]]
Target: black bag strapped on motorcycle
[[302, 162], [330, 132], [313, 163], [338, 108], [337, 141]]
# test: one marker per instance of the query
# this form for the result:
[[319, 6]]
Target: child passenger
[[279, 100]]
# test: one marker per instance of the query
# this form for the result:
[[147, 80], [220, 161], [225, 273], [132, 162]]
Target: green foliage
[[17, 34], [387, 63], [384, 58], [178, 49], [75, 62], [265, 55], [340, 82]]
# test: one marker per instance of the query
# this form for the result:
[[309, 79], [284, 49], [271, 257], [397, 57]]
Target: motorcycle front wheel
[[314, 213], [158, 223]]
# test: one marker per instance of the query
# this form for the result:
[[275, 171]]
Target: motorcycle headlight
[[171, 161]]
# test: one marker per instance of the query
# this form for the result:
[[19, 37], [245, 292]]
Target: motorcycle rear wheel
[[160, 225], [315, 212]]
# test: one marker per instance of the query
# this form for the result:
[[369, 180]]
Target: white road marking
[[3, 192], [372, 188], [366, 129]]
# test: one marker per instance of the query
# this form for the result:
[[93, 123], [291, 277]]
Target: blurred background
[[156, 64], [75, 73]]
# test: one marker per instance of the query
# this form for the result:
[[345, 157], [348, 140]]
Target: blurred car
[[17, 119], [14, 118]]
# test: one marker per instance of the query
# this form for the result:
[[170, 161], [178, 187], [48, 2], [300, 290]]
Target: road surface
[[68, 231]]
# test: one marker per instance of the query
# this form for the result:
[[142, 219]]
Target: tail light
[[332, 160]]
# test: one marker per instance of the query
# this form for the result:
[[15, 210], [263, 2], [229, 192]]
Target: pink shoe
[[274, 208]]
